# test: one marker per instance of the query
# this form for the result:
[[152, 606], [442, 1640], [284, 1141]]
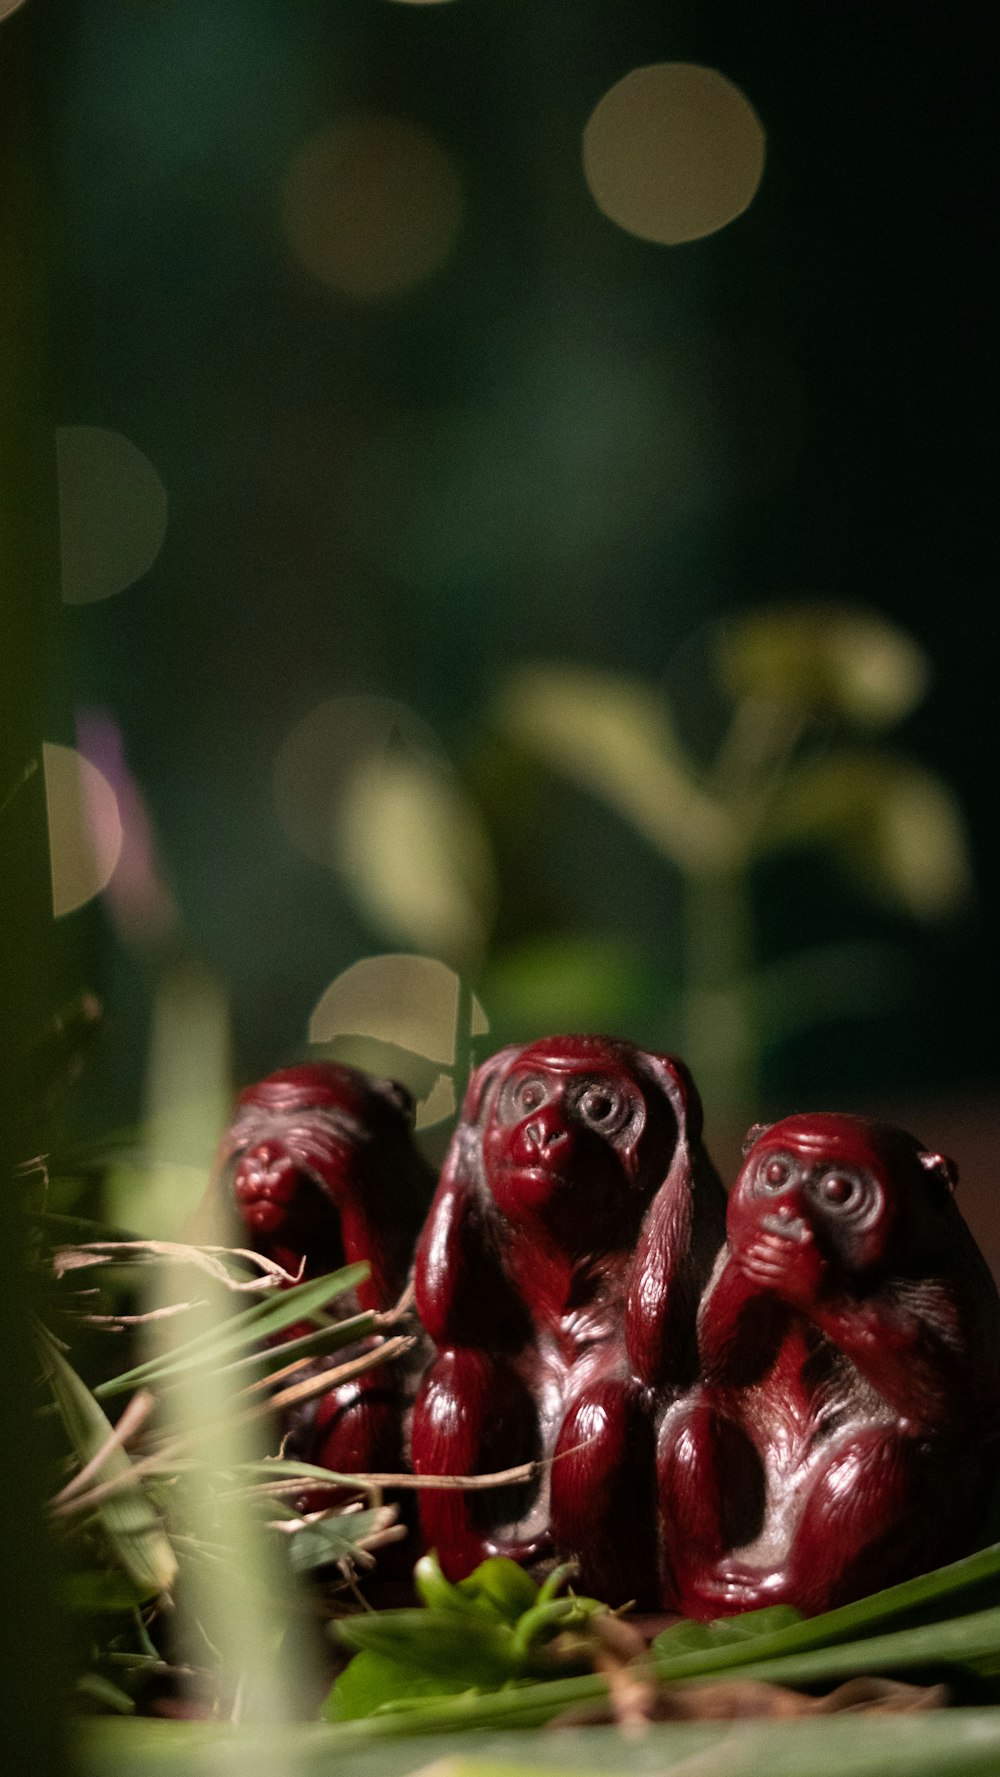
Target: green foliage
[[127, 1515], [479, 1654], [951, 1743], [489, 1632], [241, 1333], [824, 660], [806, 686]]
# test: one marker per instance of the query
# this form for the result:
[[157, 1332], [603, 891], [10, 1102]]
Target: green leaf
[[501, 1586], [434, 1590], [94, 1688], [241, 1331], [436, 1641], [373, 1682], [896, 826], [282, 1468], [127, 1516], [824, 660], [322, 1339], [612, 735], [943, 1743], [972, 1641], [335, 1538], [694, 1638], [102, 1592], [414, 850], [498, 1589]]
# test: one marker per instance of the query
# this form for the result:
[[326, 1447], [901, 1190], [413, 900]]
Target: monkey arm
[[907, 1340], [462, 1292], [741, 1324]]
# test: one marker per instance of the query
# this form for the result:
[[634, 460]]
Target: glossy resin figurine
[[844, 1432], [559, 1274], [322, 1170]]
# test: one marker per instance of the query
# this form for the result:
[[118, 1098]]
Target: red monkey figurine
[[569, 1152], [844, 1434], [323, 1171]]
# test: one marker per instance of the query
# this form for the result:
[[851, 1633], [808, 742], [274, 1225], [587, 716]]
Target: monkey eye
[[773, 1172], [604, 1107], [528, 1095], [845, 1193]]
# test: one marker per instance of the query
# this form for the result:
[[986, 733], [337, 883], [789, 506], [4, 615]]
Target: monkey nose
[[266, 1171], [265, 1154], [544, 1135]]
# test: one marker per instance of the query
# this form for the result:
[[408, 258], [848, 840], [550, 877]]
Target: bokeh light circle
[[399, 1014], [371, 205], [673, 152], [318, 762], [112, 513], [85, 829]]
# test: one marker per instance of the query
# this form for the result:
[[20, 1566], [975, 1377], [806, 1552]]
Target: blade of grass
[[961, 1641], [291, 1353], [132, 1419], [955, 1743], [261, 1321], [850, 1621], [127, 1516]]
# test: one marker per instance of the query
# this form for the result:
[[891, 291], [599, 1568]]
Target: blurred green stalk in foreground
[[31, 1648]]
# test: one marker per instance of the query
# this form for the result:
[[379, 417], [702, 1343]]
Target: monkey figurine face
[[840, 1184], [321, 1166], [577, 1133]]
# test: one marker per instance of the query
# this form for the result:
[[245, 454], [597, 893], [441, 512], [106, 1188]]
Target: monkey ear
[[944, 1170], [676, 1082], [753, 1135], [482, 1079], [396, 1094]]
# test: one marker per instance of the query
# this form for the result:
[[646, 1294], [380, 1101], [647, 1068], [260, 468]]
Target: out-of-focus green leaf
[[240, 1332], [895, 825], [95, 1688], [415, 853], [824, 660], [104, 1590], [612, 735], [945, 1743], [564, 983], [127, 1516]]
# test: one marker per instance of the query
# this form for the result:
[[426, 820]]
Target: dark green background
[[830, 354]]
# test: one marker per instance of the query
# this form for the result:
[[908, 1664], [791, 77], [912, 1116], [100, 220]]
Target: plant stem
[[722, 1044], [31, 1664]]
